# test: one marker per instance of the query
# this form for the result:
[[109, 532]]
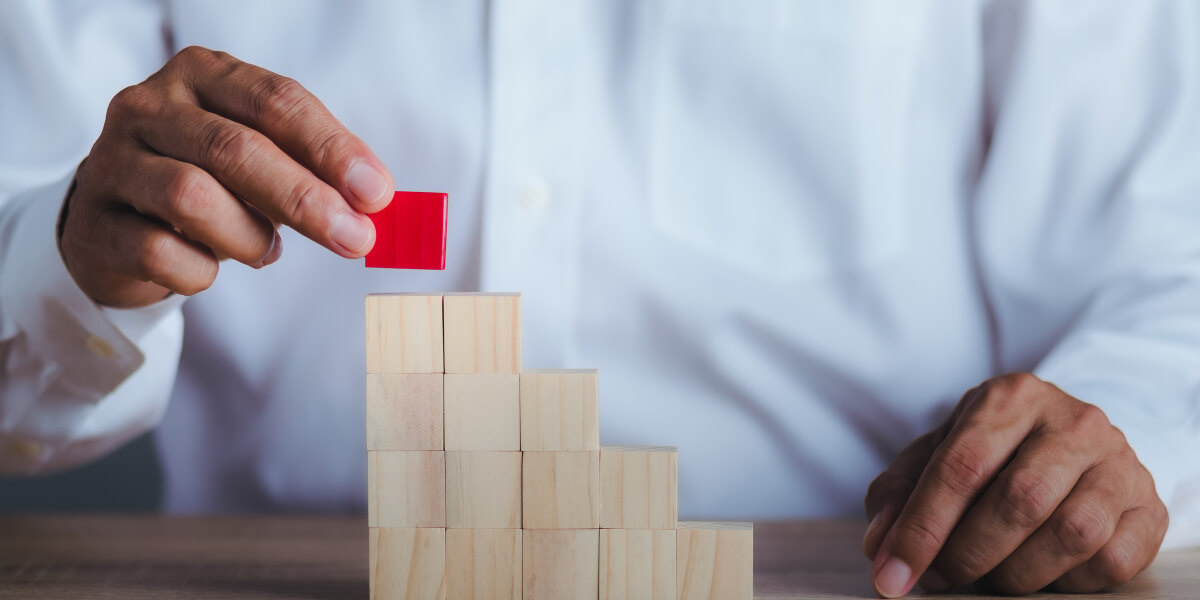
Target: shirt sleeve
[[76, 379], [1087, 217]]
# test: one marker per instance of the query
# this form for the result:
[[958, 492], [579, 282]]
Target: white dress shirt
[[789, 234]]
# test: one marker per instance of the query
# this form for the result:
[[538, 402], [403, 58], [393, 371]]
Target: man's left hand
[[1022, 487]]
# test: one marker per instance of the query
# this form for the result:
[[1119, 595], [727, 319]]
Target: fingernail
[[351, 233], [892, 581], [932, 582], [368, 184], [276, 251]]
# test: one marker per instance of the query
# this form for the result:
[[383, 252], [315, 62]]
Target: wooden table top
[[322, 558]]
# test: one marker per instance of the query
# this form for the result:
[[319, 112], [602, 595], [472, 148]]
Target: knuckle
[[1011, 389], [199, 55], [131, 101], [1125, 454], [1090, 419], [1081, 531], [193, 53], [186, 197], [1021, 382], [277, 98], [155, 258], [1026, 500], [226, 146], [200, 279], [962, 469], [333, 146], [1117, 563], [962, 565], [919, 536], [301, 202], [1160, 513]]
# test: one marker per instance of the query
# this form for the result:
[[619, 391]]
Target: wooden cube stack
[[486, 481]]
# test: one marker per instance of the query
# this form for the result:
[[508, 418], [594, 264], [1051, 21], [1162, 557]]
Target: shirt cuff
[[62, 325], [78, 352]]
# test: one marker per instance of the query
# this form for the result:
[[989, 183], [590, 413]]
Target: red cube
[[411, 232]]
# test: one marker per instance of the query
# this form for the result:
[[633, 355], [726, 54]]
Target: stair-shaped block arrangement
[[488, 481]]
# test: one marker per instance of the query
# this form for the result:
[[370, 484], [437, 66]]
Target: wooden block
[[483, 489], [483, 412], [404, 333], [714, 560], [637, 564], [406, 489], [639, 487], [484, 564], [561, 564], [560, 490], [407, 563], [483, 333], [559, 410], [404, 411]]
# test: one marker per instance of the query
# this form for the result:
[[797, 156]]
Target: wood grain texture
[[483, 333], [404, 411], [407, 563], [406, 489], [639, 487], [483, 564], [715, 560], [483, 489], [559, 410], [483, 412], [561, 564], [271, 557], [404, 333], [560, 490], [637, 564]]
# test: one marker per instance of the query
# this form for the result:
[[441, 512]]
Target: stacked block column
[[560, 437], [483, 445], [406, 459], [487, 481]]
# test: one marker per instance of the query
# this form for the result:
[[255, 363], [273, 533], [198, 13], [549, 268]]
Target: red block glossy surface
[[411, 232]]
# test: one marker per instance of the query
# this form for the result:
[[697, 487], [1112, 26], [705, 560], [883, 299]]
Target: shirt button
[[534, 196], [99, 347]]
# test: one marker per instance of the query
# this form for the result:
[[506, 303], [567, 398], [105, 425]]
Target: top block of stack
[[482, 333], [404, 333]]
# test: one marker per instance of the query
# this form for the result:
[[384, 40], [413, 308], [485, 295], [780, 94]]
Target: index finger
[[978, 447], [295, 120]]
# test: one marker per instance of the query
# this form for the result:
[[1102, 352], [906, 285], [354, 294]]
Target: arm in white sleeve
[[1088, 219], [76, 379]]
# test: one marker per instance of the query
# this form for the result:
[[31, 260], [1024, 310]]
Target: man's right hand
[[202, 161]]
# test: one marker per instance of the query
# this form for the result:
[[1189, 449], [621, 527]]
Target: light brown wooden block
[[483, 489], [483, 564], [404, 333], [483, 412], [406, 489], [483, 333], [407, 563], [639, 487], [561, 564], [637, 564], [560, 490], [404, 411], [715, 560], [559, 410]]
